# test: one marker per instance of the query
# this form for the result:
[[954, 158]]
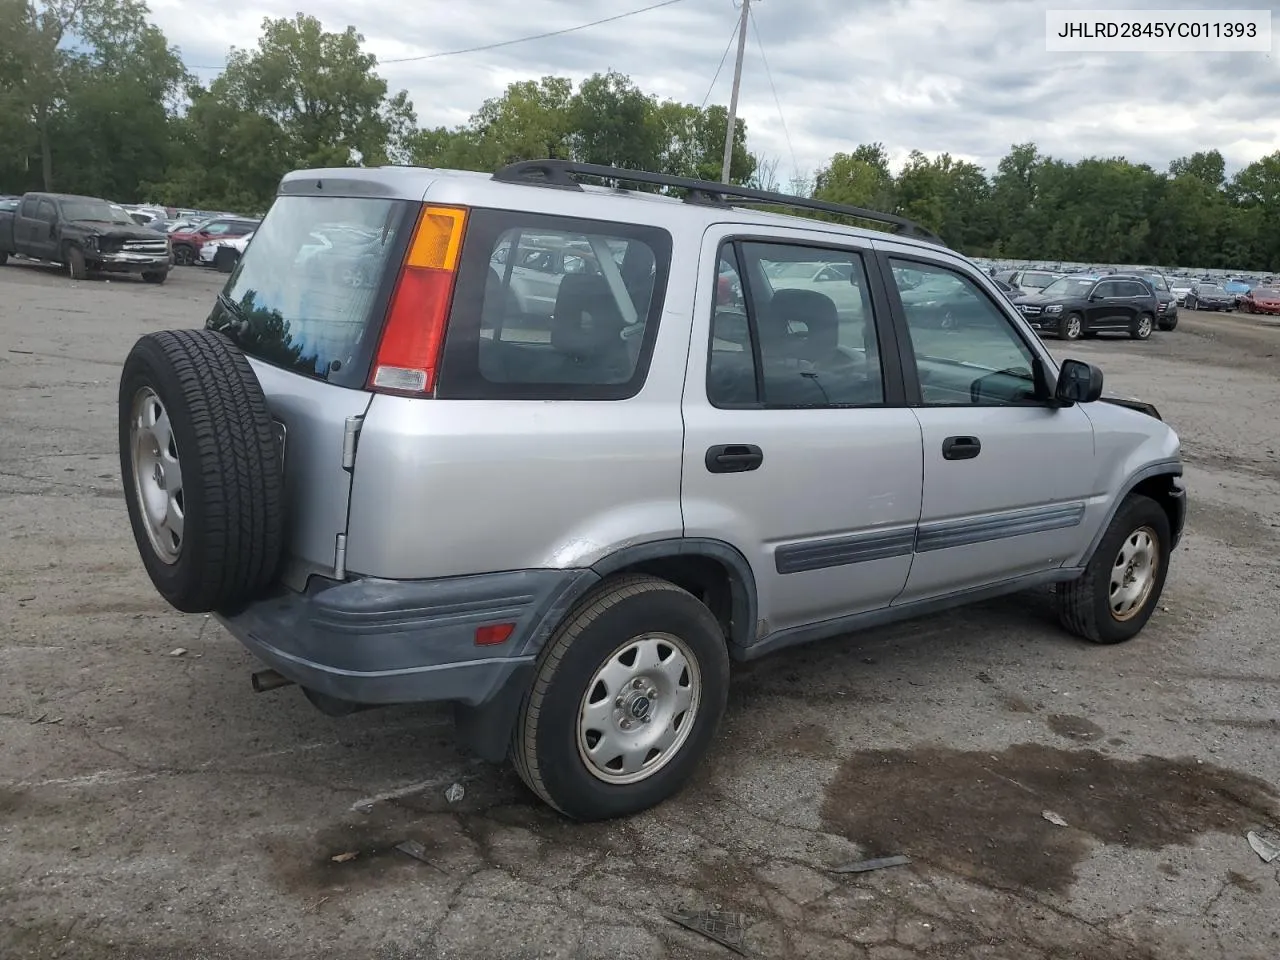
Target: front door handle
[[961, 448], [733, 457]]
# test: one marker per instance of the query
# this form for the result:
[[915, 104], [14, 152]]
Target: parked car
[[83, 234], [1237, 287], [1207, 295], [1261, 299], [329, 469], [1078, 306], [1166, 305], [224, 254], [187, 242], [1030, 282], [1180, 287]]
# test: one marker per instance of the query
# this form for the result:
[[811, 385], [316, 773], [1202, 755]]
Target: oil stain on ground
[[979, 815]]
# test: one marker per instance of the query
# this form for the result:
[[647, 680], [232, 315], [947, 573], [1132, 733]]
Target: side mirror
[[1078, 382]]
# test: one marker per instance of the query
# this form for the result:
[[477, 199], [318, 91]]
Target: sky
[[965, 77]]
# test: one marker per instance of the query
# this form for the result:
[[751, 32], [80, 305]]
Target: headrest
[[815, 310], [586, 319]]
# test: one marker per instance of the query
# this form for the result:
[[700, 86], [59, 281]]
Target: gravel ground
[[153, 806]]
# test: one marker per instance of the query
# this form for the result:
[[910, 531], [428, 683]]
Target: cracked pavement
[[152, 806]]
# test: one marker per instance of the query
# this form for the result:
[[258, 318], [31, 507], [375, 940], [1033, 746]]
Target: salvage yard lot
[[153, 806]]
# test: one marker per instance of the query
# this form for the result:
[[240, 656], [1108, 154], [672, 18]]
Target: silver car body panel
[[853, 510], [316, 485]]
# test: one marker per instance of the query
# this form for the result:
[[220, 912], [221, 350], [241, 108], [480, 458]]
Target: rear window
[[308, 292], [553, 308]]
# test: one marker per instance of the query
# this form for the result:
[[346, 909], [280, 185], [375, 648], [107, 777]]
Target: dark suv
[[1080, 306], [1166, 302]]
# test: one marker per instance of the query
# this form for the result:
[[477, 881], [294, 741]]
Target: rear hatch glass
[[309, 292]]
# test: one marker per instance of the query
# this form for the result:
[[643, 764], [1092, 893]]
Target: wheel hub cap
[[639, 708], [1133, 574], [157, 475]]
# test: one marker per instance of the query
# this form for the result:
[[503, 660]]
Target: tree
[[615, 123], [859, 179], [531, 120], [692, 141], [83, 104]]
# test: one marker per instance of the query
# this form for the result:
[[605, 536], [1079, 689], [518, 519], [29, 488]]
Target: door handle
[[961, 448], [733, 457]]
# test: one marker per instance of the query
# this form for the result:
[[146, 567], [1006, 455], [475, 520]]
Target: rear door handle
[[733, 457], [961, 448]]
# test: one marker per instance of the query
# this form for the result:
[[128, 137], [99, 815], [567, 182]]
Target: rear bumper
[[374, 641]]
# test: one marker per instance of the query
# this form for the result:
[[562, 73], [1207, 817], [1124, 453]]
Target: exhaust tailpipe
[[265, 680]]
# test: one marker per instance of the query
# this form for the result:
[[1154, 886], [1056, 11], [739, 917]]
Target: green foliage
[[94, 100]]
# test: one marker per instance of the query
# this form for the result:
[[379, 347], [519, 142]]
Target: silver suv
[[557, 453]]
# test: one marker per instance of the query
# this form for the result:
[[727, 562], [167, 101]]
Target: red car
[[187, 243], [1261, 300]]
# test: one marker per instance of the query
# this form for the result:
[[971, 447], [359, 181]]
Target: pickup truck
[[83, 234]]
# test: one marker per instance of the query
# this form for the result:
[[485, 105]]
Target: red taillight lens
[[409, 350]]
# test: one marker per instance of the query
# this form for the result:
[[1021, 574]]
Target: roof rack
[[561, 175]]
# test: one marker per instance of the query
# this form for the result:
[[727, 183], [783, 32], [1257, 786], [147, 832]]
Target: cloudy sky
[[969, 77]]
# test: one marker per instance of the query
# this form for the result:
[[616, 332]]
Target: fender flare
[[1161, 468]]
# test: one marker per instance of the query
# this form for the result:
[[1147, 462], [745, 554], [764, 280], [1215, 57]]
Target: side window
[[216, 228], [1135, 289], [967, 352], [517, 330], [1107, 288], [788, 332], [47, 212]]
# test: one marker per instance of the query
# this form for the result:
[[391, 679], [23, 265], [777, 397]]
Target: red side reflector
[[494, 634]]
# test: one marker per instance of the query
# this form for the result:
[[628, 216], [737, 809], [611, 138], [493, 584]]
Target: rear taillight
[[409, 350]]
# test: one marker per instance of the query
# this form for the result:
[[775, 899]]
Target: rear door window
[[573, 314], [309, 292]]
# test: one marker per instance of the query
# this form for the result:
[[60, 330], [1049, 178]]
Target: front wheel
[[157, 276], [1071, 327], [1123, 581], [626, 699], [77, 268], [1142, 327]]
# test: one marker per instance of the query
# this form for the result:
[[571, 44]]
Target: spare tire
[[201, 470]]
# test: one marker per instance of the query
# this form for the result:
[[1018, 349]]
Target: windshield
[[95, 210], [1068, 287], [1210, 288], [1158, 282], [1036, 281], [1266, 293], [306, 288]]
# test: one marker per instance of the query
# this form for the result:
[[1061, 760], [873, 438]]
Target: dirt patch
[[1075, 728], [978, 814], [1016, 704]]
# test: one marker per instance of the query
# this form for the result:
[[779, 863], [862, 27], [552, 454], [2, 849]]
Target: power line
[[539, 36], [795, 167], [723, 57], [501, 43]]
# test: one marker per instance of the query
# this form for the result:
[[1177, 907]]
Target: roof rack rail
[[562, 174]]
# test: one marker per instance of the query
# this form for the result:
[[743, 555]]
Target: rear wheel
[[4, 257], [184, 255], [201, 470], [625, 701], [1123, 581]]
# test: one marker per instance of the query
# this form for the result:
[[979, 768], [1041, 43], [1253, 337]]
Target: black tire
[[232, 490], [77, 268], [224, 259], [1068, 330], [1084, 606], [545, 741], [1139, 331], [157, 276], [1169, 324], [4, 257], [184, 255], [1190, 303]]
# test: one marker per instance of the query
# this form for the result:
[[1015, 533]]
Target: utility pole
[[733, 98]]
